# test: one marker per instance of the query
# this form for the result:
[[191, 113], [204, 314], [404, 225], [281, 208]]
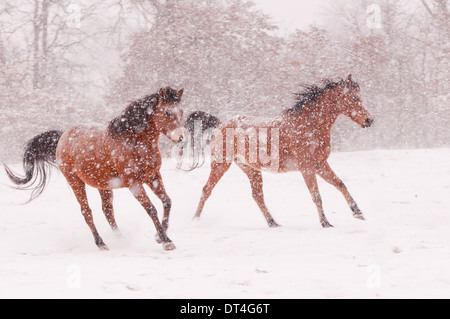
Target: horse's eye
[[354, 98], [167, 114]]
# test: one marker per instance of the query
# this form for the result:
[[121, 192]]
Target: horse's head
[[351, 104], [168, 115]]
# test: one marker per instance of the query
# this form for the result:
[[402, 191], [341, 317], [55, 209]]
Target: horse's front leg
[[329, 176], [139, 193], [311, 182], [157, 186]]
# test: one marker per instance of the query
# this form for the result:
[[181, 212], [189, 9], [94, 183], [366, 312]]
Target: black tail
[[39, 156], [200, 126]]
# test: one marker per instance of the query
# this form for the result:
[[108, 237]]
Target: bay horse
[[300, 142], [199, 126], [124, 154]]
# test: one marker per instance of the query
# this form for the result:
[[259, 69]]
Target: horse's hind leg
[[256, 182], [107, 206], [79, 189], [329, 176], [217, 171]]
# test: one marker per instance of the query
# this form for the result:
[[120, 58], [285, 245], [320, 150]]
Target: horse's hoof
[[359, 216], [158, 239], [326, 224], [196, 218], [169, 246], [273, 224], [103, 247]]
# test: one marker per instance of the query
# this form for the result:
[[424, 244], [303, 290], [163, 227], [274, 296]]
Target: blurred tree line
[[64, 63]]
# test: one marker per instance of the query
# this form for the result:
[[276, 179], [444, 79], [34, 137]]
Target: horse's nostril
[[369, 122]]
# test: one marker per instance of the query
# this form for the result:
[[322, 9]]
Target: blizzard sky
[[293, 14]]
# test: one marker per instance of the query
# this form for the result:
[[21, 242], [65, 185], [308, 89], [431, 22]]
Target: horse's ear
[[348, 81], [162, 94], [180, 93]]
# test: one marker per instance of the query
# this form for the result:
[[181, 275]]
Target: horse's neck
[[150, 137], [320, 114]]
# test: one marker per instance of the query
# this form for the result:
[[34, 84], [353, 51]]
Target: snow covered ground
[[402, 250]]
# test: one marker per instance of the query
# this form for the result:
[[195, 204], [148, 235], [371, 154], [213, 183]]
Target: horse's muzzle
[[368, 122], [178, 135]]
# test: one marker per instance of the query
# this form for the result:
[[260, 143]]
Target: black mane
[[206, 120], [133, 119], [311, 93], [136, 116]]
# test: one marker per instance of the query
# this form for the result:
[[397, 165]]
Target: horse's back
[[85, 151], [252, 141], [77, 138]]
